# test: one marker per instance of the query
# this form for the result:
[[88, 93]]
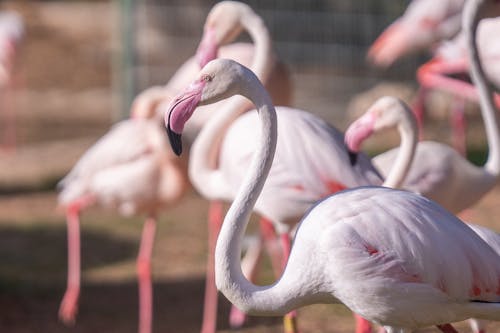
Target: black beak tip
[[353, 157], [175, 141]]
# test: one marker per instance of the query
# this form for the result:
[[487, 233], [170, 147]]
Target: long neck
[[270, 300], [409, 137], [205, 149], [471, 20]]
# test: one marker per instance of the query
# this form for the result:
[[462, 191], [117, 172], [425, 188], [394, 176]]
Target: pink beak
[[390, 45], [207, 50], [359, 131], [179, 112]]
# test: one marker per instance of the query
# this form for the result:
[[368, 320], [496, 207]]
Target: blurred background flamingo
[[432, 25], [11, 35]]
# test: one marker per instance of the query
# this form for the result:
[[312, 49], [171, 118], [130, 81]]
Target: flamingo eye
[[206, 78]]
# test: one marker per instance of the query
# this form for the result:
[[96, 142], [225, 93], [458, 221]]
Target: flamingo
[[445, 69], [392, 256], [11, 35], [423, 25], [391, 113], [151, 179], [140, 179], [426, 24]]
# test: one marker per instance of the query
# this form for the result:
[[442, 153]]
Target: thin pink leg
[[272, 246], [458, 125], [447, 328], [362, 325], [290, 319], [419, 110], [144, 276], [69, 304], [210, 306], [10, 119]]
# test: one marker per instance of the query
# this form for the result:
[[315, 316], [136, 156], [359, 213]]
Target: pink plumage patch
[[476, 291], [334, 187], [371, 249]]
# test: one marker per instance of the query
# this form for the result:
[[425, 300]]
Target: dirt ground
[[62, 106]]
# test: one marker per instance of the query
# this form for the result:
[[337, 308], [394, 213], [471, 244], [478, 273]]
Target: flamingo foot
[[362, 325], [290, 322], [237, 318], [69, 306]]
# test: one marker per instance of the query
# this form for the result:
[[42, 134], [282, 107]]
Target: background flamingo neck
[[409, 136], [471, 20], [205, 150], [264, 54]]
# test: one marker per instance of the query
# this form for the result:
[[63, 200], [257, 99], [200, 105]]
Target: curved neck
[[471, 18], [409, 137], [205, 150], [271, 300]]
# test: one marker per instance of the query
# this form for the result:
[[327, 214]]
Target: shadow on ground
[[32, 282]]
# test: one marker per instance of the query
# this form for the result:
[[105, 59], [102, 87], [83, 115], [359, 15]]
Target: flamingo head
[[386, 113], [222, 26], [422, 26], [216, 81]]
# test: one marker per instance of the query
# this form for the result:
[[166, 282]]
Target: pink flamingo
[[88, 182], [357, 247], [425, 24], [449, 62], [11, 34], [142, 178]]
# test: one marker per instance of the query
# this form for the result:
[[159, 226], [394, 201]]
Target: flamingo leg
[[273, 248], [290, 319], [250, 266], [9, 116], [210, 305], [419, 110], [362, 325], [144, 276], [446, 328], [69, 303]]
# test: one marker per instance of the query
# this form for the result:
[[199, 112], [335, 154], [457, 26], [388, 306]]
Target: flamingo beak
[[175, 139], [357, 132], [179, 112], [389, 46], [353, 157]]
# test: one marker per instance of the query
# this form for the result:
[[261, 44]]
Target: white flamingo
[[392, 256]]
